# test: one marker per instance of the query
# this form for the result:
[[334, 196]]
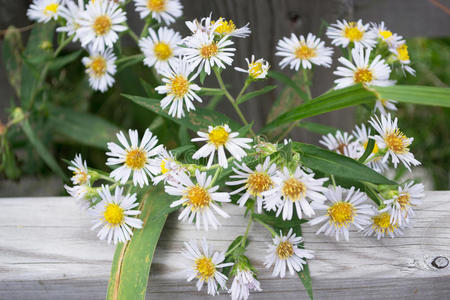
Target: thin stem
[[144, 30], [216, 174], [127, 58], [247, 230], [306, 85], [63, 44], [232, 249], [270, 229], [246, 84], [133, 35], [333, 180]]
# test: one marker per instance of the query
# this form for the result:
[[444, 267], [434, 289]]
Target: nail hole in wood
[[293, 17], [440, 262]]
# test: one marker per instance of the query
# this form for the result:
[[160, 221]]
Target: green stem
[[232, 249], [333, 180], [133, 35], [270, 229], [246, 84], [63, 44], [127, 58], [306, 85], [144, 30], [216, 174], [231, 99], [247, 230]]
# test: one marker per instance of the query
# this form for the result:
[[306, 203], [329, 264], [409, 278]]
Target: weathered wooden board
[[48, 252]]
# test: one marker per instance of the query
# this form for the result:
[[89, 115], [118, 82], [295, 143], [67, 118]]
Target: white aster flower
[[295, 190], [244, 281], [199, 199], [71, 12], [400, 51], [256, 69], [179, 89], [339, 142], [381, 226], [195, 26], [204, 52], [161, 49], [362, 71], [284, 253], [223, 27], [384, 105], [162, 10], [384, 34], [113, 214], [346, 208], [392, 141], [43, 11], [99, 24], [167, 166], [204, 265], [343, 33], [133, 158], [101, 67], [298, 51], [218, 139], [254, 182], [362, 134], [80, 171], [400, 206]]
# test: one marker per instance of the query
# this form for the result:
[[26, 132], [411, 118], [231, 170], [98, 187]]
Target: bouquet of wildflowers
[[218, 162]]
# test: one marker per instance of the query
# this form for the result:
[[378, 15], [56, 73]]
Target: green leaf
[[132, 260], [425, 95], [8, 164], [257, 93], [317, 128], [202, 76], [331, 163], [12, 48], [62, 61], [199, 119], [210, 92], [278, 222], [368, 151], [289, 82], [41, 150], [84, 128]]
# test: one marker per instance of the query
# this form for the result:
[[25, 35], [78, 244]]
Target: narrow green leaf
[[424, 95], [317, 128], [278, 222], [198, 119], [84, 128], [331, 163], [257, 93], [210, 92], [132, 260], [62, 61], [289, 82], [41, 150], [368, 151], [11, 54]]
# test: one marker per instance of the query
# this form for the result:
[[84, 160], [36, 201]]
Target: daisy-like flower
[[284, 253], [256, 69], [80, 171], [376, 73], [384, 34], [179, 89], [161, 49], [400, 52], [80, 193], [218, 139], [199, 200], [113, 214], [101, 67], [168, 168], [401, 205], [99, 24], [384, 105], [244, 281], [381, 226], [392, 141], [162, 10], [295, 190], [255, 182], [343, 33], [298, 51], [43, 11], [204, 52], [346, 208], [340, 142], [71, 13], [362, 134], [205, 265], [133, 158], [223, 27]]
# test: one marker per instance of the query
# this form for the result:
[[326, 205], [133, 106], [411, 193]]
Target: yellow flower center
[[258, 182], [304, 52], [51, 9], [208, 51], [341, 213], [225, 27], [363, 75], [285, 250], [403, 200], [198, 197], [385, 34], [98, 66], [80, 176], [218, 136], [205, 268], [353, 33], [162, 51], [135, 159], [382, 223], [102, 25], [403, 53], [113, 214], [164, 170], [341, 148], [294, 189], [255, 69], [179, 86], [156, 5], [397, 142], [375, 147]]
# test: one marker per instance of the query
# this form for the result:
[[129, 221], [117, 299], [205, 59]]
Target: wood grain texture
[[48, 252]]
